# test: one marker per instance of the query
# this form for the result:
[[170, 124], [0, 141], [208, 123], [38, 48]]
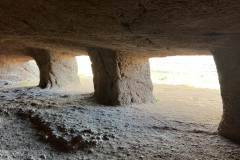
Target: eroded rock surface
[[147, 27], [64, 131], [129, 132]]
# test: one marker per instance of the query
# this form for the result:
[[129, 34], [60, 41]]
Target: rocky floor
[[55, 125]]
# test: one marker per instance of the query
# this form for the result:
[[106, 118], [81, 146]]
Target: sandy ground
[[55, 125]]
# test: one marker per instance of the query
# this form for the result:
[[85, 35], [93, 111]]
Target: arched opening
[[187, 87], [18, 71]]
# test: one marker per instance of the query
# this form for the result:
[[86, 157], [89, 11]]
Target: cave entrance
[[32, 74], [18, 71], [187, 86], [85, 74]]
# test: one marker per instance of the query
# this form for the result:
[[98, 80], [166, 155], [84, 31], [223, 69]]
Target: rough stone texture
[[227, 59], [155, 27], [120, 78], [151, 132], [57, 69], [15, 69], [145, 27]]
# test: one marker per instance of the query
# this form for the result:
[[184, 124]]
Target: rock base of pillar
[[229, 131], [229, 126]]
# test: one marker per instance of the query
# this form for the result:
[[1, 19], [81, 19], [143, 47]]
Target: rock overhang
[[152, 28]]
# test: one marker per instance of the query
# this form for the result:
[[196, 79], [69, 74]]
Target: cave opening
[[189, 86], [85, 74], [18, 71], [194, 71]]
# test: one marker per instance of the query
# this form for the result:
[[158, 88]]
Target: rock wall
[[15, 69], [120, 78]]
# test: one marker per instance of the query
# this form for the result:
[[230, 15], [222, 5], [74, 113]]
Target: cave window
[[192, 71], [18, 71], [187, 86], [85, 74]]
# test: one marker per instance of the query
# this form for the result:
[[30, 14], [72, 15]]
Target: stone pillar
[[120, 78], [57, 70], [227, 59]]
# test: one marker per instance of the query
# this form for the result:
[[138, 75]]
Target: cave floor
[[51, 124]]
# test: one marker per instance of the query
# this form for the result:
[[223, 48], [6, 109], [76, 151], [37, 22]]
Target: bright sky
[[84, 65]]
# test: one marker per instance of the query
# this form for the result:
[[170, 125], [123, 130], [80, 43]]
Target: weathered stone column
[[227, 59], [57, 70], [120, 78]]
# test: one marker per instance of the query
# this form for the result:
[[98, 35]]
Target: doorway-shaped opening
[[187, 87], [18, 71], [85, 74]]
